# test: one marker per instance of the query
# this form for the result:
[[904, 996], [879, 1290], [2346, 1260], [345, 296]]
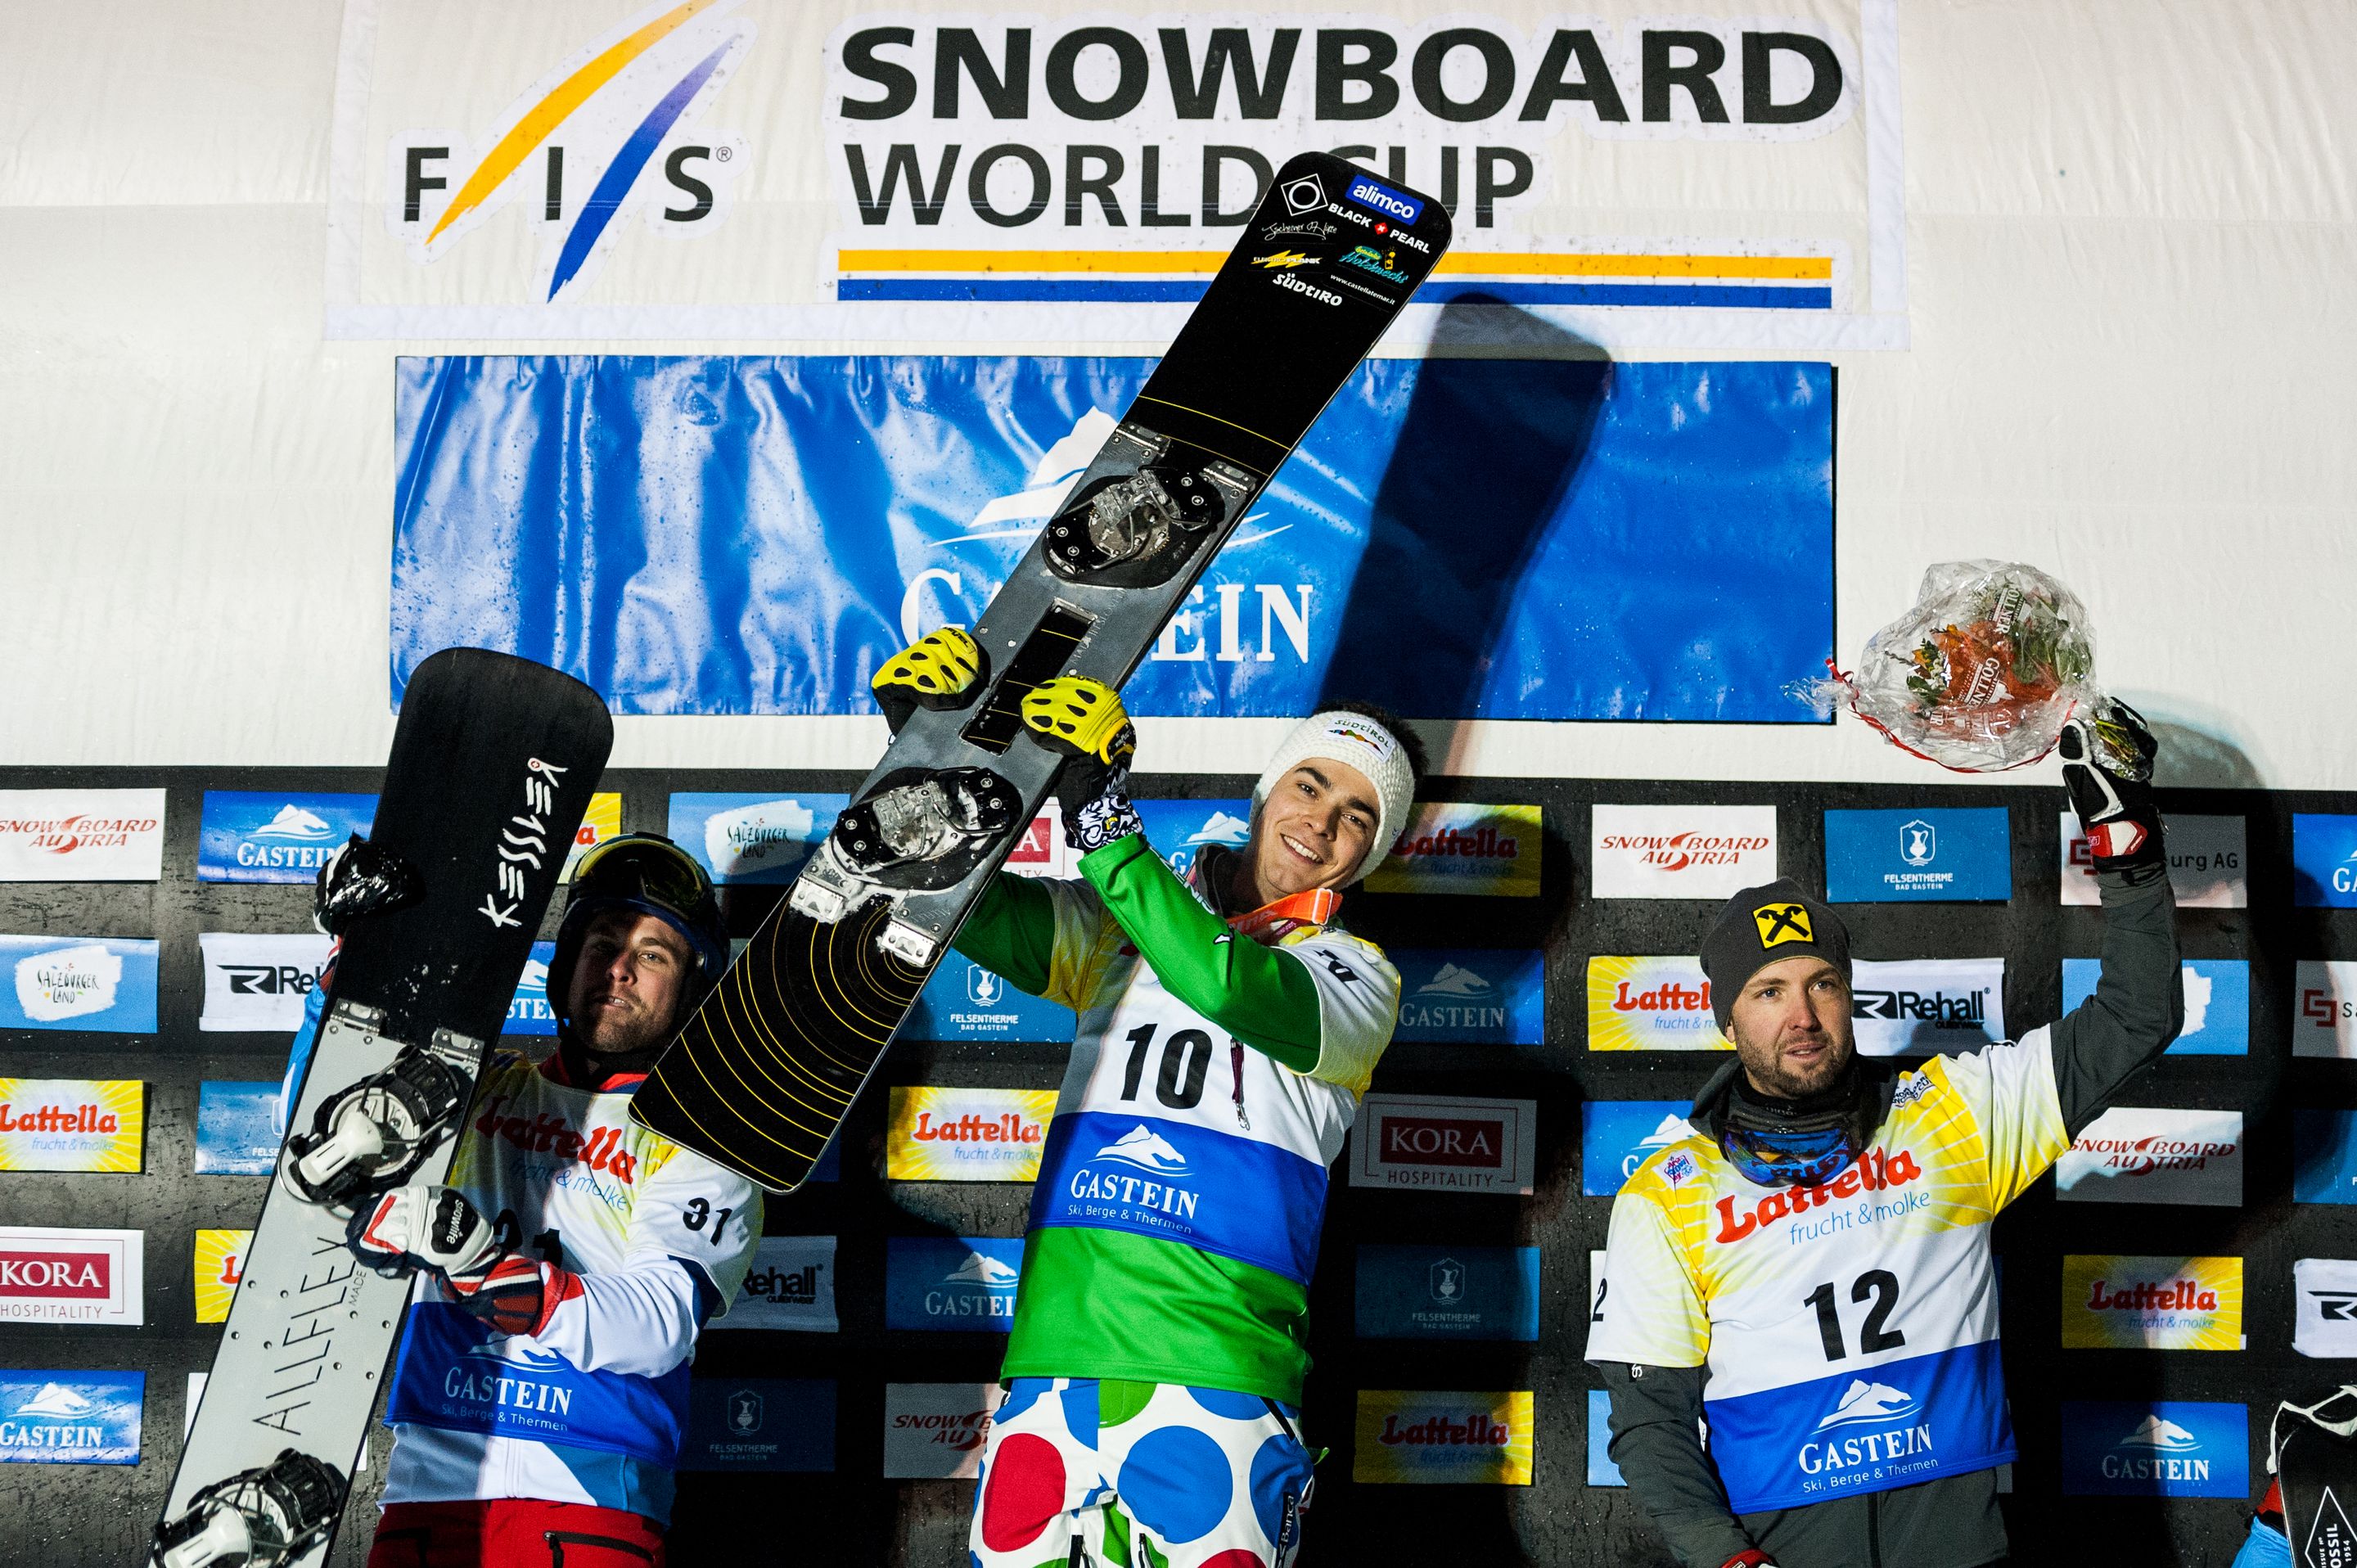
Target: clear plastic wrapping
[[1980, 674]]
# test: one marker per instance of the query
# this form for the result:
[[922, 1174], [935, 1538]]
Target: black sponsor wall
[[78, 1515]]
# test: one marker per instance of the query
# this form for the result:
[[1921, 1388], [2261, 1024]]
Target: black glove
[[2107, 767], [1083, 720], [359, 880]]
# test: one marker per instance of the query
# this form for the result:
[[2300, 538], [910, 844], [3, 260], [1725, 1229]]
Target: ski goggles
[[638, 867], [1795, 1157]]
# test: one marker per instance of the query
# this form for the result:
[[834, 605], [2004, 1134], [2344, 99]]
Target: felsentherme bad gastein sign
[[809, 172]]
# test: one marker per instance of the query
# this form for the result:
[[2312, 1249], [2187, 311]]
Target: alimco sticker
[[82, 1277], [1459, 848], [82, 835], [221, 1264], [1681, 852], [96, 984], [1413, 1436], [937, 1133], [935, 1431], [1445, 1143], [72, 1124], [2136, 1154], [2152, 1304], [1651, 1004], [71, 1418]]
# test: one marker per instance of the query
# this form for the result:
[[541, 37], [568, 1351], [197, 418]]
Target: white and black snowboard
[[493, 763], [763, 1073]]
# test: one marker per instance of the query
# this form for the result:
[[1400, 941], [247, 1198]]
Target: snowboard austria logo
[[1681, 852], [936, 1430], [82, 835], [604, 134]]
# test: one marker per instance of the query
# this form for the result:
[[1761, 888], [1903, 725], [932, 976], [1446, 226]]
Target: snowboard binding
[[370, 1138], [255, 1519], [920, 831], [1137, 531]]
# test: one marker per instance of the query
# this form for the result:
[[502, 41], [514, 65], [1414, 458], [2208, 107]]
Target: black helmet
[[648, 873]]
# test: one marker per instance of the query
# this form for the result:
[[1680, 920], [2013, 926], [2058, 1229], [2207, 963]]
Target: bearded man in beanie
[[1808, 1274], [1227, 1027]]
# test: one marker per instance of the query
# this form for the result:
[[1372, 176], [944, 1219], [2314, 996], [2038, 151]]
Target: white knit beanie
[[1360, 742]]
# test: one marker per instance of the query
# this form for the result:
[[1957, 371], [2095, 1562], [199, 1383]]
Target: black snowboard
[[766, 1069], [493, 763]]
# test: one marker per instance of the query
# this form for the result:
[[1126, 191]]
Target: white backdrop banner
[[767, 168]]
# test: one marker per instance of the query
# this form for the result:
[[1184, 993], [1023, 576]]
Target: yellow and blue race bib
[[1850, 1329]]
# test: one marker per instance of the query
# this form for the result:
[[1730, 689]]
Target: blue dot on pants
[[1281, 1469], [1234, 1406], [1176, 1483]]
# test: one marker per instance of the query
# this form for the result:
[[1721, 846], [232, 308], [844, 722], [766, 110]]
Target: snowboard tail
[[763, 1073], [493, 763]]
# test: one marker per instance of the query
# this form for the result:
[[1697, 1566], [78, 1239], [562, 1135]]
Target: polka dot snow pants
[[1139, 1476]]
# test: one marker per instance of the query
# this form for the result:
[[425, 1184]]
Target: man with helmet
[[1808, 1279], [1226, 1028], [540, 1392]]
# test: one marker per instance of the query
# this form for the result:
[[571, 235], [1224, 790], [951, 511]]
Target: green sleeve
[[1012, 931], [1261, 995]]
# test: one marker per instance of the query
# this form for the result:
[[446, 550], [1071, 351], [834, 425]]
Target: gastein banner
[[1711, 174], [1567, 538]]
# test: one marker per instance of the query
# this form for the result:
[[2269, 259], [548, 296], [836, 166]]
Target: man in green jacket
[[1227, 1027]]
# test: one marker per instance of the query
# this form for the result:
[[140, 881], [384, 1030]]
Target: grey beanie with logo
[[1765, 925]]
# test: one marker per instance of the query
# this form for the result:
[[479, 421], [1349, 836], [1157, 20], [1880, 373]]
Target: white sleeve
[[692, 1236]]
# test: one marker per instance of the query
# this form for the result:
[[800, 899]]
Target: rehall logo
[[613, 106]]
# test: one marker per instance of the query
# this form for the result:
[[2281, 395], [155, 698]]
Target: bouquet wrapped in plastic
[[1981, 674]]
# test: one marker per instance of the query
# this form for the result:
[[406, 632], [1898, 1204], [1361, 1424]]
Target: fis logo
[[1782, 923], [1283, 259], [577, 146]]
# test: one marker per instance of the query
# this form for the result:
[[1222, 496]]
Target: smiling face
[[1313, 830], [1792, 1027], [628, 982]]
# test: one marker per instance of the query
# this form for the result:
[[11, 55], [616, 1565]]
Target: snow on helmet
[[650, 874]]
